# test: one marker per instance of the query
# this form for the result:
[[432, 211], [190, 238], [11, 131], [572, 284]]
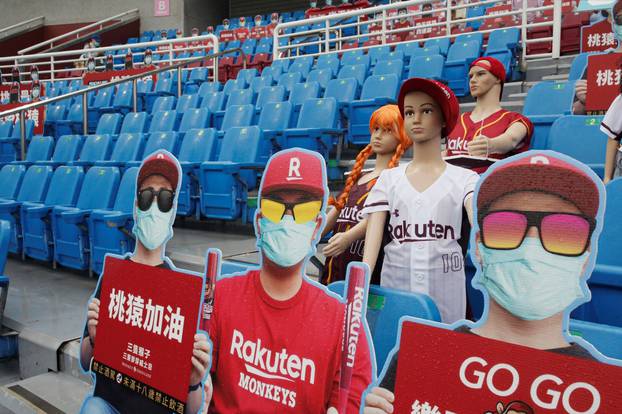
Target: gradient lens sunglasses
[[165, 199], [303, 212], [564, 234]]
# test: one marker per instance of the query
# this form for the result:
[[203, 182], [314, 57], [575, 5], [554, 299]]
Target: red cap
[[295, 169], [258, 17], [441, 93], [493, 66], [210, 29], [544, 172], [274, 16], [160, 163]]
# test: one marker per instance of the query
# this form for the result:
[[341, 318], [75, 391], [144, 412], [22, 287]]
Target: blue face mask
[[617, 30], [153, 227], [530, 282], [285, 243]]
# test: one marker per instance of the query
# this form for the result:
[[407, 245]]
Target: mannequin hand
[[581, 90], [479, 147], [337, 245]]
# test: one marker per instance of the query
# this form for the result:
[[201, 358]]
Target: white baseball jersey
[[423, 255]]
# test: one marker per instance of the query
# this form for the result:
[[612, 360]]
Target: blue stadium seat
[[457, 65], [35, 217], [605, 338], [73, 123], [343, 90], [546, 101], [351, 54], [443, 44], [301, 65], [274, 119], [578, 66], [163, 103], [143, 87], [471, 37], [225, 183], [248, 75], [377, 91], [232, 85], [316, 129], [10, 146], [193, 119], [5, 235], [606, 280], [157, 141], [321, 76], [163, 87], [385, 307], [197, 77], [208, 87], [271, 73], [186, 102], [425, 51], [430, 67], [127, 148], [300, 93], [33, 188], [95, 148], [376, 52], [70, 224], [329, 61], [134, 122], [270, 94], [40, 149], [198, 145], [358, 72], [408, 48], [214, 101], [11, 178], [281, 66], [103, 99], [502, 45], [66, 150], [388, 67], [236, 116], [163, 121], [581, 138], [122, 100], [53, 114], [238, 97], [109, 124], [288, 80], [257, 84]]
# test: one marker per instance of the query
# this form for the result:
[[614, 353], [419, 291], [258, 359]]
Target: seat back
[[163, 85], [109, 124], [257, 84], [5, 236], [240, 97], [248, 75], [64, 186], [611, 236], [160, 140], [75, 113], [409, 48], [358, 72], [318, 113], [144, 85], [163, 121], [30, 126], [385, 308], [328, 61], [123, 95], [163, 103], [238, 116], [381, 86], [213, 101], [430, 67], [343, 90], [198, 145], [303, 91], [478, 38], [388, 67], [99, 188], [96, 148], [605, 338], [578, 66], [127, 147], [207, 87], [39, 149], [124, 202], [463, 50], [67, 148], [35, 184], [350, 60], [549, 98], [194, 118], [232, 85], [321, 76], [376, 52], [11, 178], [426, 51], [288, 80], [54, 113], [103, 98], [503, 39], [6, 128], [442, 43], [270, 94], [241, 144], [186, 102], [302, 66], [275, 116], [134, 122], [197, 75]]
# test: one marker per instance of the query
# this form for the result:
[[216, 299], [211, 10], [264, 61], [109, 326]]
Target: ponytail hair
[[386, 117]]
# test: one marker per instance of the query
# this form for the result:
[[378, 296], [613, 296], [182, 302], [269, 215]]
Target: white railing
[[82, 32], [51, 65], [21, 27], [328, 34]]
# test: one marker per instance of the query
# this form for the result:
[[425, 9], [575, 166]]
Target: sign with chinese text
[[597, 37], [25, 91], [161, 8], [94, 78], [36, 114], [445, 372], [603, 81], [148, 318]]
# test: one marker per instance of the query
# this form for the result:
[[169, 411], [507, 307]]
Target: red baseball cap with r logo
[[295, 169]]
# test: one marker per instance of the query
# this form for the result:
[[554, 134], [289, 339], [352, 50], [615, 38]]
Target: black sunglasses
[[165, 199]]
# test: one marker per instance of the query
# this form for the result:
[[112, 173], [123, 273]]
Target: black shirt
[[388, 381]]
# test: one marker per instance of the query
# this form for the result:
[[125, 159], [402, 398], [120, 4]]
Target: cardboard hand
[[92, 318], [200, 358], [379, 401]]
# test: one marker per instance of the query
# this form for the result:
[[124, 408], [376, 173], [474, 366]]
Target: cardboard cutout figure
[[534, 246], [276, 333], [141, 340]]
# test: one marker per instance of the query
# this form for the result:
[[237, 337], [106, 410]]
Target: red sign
[[242, 33], [441, 371], [36, 114], [491, 11], [227, 35], [603, 81], [25, 94], [147, 321], [597, 37], [258, 32], [91, 78]]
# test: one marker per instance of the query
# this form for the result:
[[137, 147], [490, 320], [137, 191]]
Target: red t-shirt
[[274, 356], [492, 126]]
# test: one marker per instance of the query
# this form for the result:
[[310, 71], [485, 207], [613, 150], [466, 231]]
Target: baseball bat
[[212, 271], [353, 322]]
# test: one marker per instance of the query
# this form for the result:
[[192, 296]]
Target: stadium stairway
[[46, 307]]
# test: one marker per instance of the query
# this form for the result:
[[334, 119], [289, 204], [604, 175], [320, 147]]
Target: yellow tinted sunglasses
[[303, 212]]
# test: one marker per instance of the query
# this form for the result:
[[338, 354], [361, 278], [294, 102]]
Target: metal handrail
[[27, 24], [99, 24], [84, 92]]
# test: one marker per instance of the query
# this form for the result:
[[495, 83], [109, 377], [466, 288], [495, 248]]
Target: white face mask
[[153, 227]]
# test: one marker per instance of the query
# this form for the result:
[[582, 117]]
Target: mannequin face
[[481, 81], [423, 118]]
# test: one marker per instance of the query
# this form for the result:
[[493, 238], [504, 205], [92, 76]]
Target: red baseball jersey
[[492, 126], [273, 356]]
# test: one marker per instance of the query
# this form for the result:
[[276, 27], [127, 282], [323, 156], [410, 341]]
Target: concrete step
[[559, 77], [51, 393]]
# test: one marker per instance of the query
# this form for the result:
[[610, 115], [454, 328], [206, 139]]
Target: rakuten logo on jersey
[[408, 232], [269, 364], [457, 144]]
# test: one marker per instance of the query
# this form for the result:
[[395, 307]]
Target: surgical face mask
[[617, 30], [285, 243], [329, 2], [225, 26], [35, 93], [312, 4], [153, 227], [529, 282]]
